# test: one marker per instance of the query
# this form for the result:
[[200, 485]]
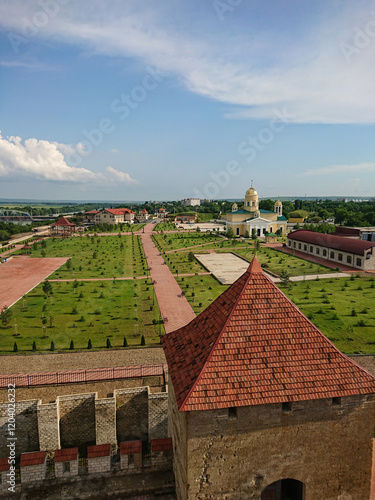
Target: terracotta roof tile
[[99, 450], [350, 245], [33, 458], [252, 346], [66, 455], [161, 444], [130, 447], [63, 221], [4, 464]]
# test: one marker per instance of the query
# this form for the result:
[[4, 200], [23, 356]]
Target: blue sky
[[139, 100]]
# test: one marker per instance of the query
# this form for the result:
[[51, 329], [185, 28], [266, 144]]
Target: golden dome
[[278, 203], [251, 192]]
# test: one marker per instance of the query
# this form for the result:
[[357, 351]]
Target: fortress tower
[[263, 406]]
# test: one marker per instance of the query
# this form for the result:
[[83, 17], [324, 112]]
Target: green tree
[[34, 346], [68, 264], [89, 344], [191, 257], [71, 346], [253, 234], [52, 348], [230, 233], [5, 316], [108, 344], [247, 235], [284, 277], [47, 288], [15, 347], [125, 344], [143, 340]]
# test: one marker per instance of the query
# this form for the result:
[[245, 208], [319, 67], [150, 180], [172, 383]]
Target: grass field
[[342, 308], [179, 263], [81, 311], [275, 261], [165, 226], [96, 257], [174, 241]]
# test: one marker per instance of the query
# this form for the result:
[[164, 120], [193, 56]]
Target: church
[[254, 220]]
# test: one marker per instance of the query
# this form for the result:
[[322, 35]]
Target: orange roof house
[[252, 354]]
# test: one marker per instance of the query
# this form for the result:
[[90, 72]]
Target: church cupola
[[251, 203], [278, 209], [234, 207]]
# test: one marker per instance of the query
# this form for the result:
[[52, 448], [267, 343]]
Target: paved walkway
[[175, 309]]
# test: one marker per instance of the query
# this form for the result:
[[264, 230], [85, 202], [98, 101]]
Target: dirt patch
[[20, 274]]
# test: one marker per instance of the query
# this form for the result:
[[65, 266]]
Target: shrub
[[108, 345], [125, 343], [71, 346], [15, 347], [89, 344], [52, 348], [143, 340], [74, 310], [34, 346], [354, 312]]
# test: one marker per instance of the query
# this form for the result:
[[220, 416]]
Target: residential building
[[114, 216], [191, 202]]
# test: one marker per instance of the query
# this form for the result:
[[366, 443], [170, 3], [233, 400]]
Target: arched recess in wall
[[284, 489]]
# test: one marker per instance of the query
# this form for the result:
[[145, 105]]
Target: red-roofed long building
[[63, 227], [114, 216], [263, 405], [348, 251]]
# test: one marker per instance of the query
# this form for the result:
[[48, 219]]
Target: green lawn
[[342, 308], [179, 263], [96, 257], [82, 311], [165, 226], [174, 241], [275, 261], [328, 303]]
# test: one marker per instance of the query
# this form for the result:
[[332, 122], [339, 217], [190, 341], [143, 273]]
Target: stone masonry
[[48, 426]]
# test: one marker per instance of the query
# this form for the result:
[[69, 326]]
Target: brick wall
[[26, 427], [77, 419], [48, 426], [132, 413], [326, 444], [33, 473], [61, 472], [158, 415], [105, 421], [98, 465]]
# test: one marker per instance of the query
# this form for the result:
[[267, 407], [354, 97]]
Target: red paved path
[[20, 274], [175, 309]]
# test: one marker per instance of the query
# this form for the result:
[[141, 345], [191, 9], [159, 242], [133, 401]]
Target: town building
[[191, 202], [186, 219], [143, 216], [359, 233], [114, 216], [89, 217], [253, 220], [351, 252], [162, 213], [263, 406]]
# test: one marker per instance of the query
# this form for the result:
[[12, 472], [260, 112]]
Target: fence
[[82, 376]]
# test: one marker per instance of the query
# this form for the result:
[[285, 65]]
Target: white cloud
[[255, 71], [41, 160], [339, 169], [119, 176]]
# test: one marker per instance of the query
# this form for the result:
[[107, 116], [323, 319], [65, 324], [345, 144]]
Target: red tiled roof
[[118, 211], [66, 455], [144, 211], [253, 346], [33, 458], [92, 212], [99, 450], [350, 245], [161, 444], [63, 222], [4, 464], [130, 447], [347, 230]]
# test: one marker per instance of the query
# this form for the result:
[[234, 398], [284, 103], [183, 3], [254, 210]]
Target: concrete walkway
[[175, 309]]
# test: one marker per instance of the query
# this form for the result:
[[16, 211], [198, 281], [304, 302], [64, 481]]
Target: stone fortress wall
[[81, 420]]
